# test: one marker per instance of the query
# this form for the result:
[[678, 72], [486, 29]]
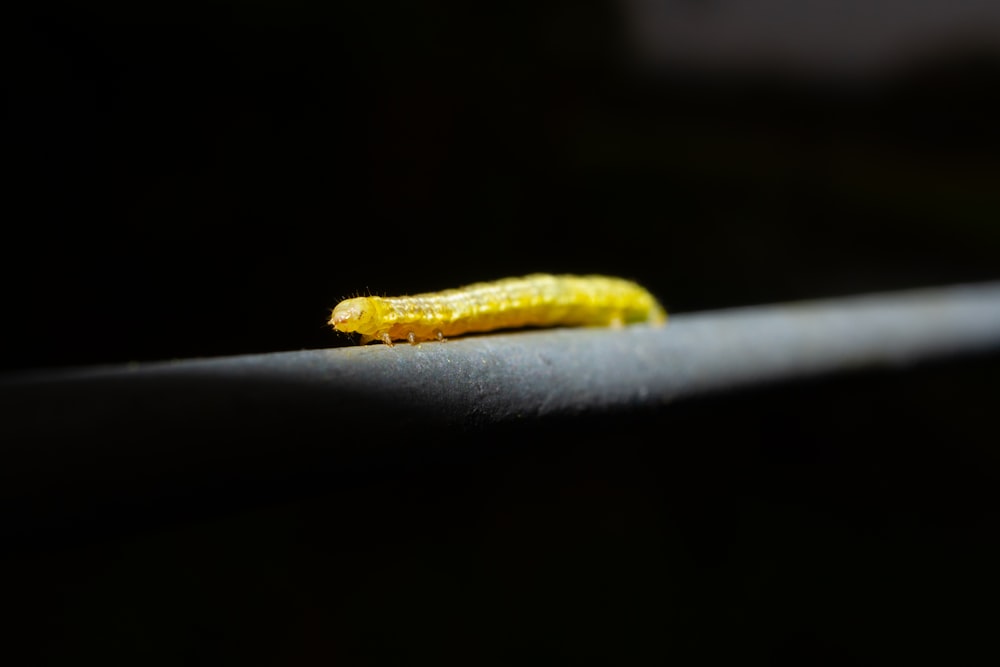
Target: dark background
[[212, 178], [201, 179]]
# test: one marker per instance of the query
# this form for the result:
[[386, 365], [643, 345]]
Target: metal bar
[[129, 428]]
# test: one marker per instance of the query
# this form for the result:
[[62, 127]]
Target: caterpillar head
[[359, 314]]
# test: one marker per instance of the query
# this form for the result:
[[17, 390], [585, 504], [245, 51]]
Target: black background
[[209, 179]]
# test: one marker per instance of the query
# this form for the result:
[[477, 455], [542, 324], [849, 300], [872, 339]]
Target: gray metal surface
[[531, 373], [119, 429]]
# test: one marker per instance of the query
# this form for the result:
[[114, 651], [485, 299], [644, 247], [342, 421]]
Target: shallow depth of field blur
[[208, 178], [211, 178]]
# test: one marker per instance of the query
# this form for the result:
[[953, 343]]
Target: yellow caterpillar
[[536, 300]]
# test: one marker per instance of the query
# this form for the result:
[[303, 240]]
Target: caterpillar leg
[[439, 335], [412, 338], [386, 338]]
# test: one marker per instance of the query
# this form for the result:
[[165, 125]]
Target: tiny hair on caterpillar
[[537, 300]]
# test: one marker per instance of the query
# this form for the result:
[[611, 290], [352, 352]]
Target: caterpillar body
[[537, 300]]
